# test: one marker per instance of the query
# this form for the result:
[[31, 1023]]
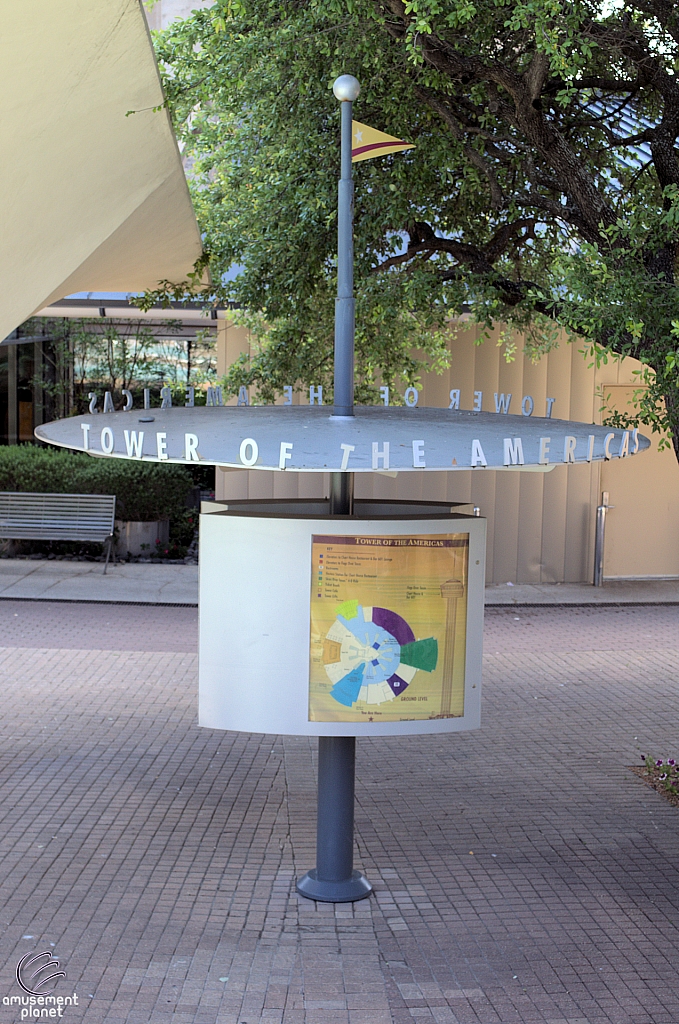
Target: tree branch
[[664, 11], [424, 242], [475, 158], [541, 133]]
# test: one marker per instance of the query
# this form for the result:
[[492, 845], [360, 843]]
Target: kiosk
[[340, 618]]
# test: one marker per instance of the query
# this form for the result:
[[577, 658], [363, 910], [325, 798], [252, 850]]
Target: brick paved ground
[[522, 873]]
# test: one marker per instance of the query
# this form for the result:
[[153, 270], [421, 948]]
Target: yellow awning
[[90, 199]]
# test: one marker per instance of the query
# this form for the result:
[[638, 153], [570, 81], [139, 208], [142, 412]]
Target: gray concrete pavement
[[523, 875], [612, 592], [134, 582], [147, 583]]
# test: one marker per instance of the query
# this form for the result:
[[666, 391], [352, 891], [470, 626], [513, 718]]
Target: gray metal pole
[[599, 546], [335, 833], [600, 540], [346, 89], [344, 303], [334, 880], [341, 494]]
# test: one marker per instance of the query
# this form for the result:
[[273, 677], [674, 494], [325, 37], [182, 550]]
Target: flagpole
[[346, 89], [334, 880]]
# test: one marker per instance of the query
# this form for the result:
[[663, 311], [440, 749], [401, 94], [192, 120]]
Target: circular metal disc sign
[[310, 439]]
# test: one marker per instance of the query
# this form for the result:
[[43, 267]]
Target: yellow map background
[[404, 574]]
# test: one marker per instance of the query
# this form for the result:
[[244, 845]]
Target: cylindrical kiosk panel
[[318, 625]]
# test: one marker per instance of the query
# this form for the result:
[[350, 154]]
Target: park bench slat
[[36, 516]]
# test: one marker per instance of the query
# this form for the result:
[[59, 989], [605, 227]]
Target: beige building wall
[[540, 525], [642, 531]]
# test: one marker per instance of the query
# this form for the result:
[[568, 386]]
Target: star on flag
[[367, 143]]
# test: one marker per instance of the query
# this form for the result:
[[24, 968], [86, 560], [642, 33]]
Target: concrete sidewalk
[[146, 583], [613, 592], [124, 583]]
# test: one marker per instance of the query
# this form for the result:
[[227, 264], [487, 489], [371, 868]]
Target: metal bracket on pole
[[334, 880]]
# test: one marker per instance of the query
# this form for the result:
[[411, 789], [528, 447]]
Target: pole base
[[349, 891]]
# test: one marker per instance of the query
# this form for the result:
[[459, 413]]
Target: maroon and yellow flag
[[367, 142]]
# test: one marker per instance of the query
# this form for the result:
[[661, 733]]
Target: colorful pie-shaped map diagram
[[371, 655]]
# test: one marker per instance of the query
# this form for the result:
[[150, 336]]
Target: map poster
[[388, 627]]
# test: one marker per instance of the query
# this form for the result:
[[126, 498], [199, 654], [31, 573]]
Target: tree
[[543, 189]]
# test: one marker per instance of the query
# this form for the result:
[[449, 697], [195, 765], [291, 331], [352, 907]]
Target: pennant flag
[[367, 142]]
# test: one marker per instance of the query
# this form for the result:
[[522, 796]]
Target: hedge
[[144, 491]]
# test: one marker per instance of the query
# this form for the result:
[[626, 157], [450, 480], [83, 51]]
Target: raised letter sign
[[478, 401], [513, 451], [569, 448], [161, 446], [412, 396], [383, 455], [285, 454], [347, 449], [107, 442], [418, 455], [478, 458], [454, 399], [527, 405], [190, 447], [624, 446], [249, 460], [134, 443]]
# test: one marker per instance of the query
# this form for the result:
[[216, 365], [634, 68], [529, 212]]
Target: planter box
[[140, 538]]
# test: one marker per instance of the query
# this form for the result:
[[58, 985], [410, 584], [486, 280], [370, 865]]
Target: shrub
[[663, 774], [145, 491], [182, 532]]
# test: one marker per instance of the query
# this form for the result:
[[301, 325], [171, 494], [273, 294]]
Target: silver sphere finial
[[346, 88]]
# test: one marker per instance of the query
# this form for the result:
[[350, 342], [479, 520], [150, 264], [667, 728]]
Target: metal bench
[[88, 517]]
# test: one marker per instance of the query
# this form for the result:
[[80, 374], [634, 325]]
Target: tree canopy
[[543, 188]]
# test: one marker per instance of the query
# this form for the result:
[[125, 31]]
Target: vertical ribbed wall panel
[[540, 525]]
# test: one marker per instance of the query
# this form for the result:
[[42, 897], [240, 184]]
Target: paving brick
[[522, 873]]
